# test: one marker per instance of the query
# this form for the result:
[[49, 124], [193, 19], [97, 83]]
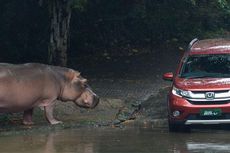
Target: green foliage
[[193, 2], [79, 4], [117, 26], [215, 34], [223, 4], [114, 27]]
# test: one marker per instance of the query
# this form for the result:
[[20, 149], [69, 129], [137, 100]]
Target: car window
[[206, 66]]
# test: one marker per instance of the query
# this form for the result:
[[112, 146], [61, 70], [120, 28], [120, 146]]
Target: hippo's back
[[22, 85], [24, 76], [21, 69]]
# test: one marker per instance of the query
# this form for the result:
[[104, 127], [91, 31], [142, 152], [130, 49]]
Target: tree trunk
[[60, 14]]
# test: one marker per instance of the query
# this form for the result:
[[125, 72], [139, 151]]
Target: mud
[[129, 91], [110, 112]]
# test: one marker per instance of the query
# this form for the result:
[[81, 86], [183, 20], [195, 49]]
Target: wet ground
[[119, 83], [114, 140]]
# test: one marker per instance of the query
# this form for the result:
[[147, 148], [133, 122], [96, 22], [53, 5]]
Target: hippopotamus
[[26, 86]]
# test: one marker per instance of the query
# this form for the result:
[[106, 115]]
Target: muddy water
[[115, 140]]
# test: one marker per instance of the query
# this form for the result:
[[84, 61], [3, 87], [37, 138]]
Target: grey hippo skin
[[25, 86]]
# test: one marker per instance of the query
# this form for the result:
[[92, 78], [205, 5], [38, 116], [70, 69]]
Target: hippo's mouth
[[87, 106], [92, 105], [95, 104]]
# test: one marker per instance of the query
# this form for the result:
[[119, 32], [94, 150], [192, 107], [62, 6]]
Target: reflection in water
[[59, 142], [54, 143], [107, 140], [49, 146], [208, 147]]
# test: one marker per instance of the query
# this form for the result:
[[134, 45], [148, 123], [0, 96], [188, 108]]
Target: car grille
[[218, 91], [199, 97], [209, 102]]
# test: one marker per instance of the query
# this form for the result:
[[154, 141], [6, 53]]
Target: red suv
[[200, 92]]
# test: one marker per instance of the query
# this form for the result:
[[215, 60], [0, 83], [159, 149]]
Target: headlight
[[180, 93]]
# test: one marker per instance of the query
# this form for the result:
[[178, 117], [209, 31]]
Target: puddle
[[115, 140]]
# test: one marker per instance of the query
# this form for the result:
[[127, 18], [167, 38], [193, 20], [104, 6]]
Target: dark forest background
[[103, 30]]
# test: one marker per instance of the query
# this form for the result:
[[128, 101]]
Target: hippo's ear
[[77, 73], [71, 75], [83, 81]]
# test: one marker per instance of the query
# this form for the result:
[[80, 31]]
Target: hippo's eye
[[85, 85]]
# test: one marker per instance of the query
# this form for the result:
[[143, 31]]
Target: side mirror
[[168, 76]]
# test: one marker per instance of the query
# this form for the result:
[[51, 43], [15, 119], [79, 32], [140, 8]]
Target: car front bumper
[[215, 121], [190, 113]]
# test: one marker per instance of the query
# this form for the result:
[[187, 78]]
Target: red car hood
[[202, 84]]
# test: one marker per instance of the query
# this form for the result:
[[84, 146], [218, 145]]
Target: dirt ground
[[130, 89], [133, 84]]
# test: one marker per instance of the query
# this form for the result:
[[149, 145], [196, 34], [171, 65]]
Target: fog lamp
[[176, 113]]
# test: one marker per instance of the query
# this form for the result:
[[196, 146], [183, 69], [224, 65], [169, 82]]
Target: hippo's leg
[[49, 115], [27, 117]]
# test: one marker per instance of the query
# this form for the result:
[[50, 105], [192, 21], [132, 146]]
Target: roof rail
[[192, 43]]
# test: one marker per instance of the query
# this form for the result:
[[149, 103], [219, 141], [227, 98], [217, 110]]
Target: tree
[[60, 15]]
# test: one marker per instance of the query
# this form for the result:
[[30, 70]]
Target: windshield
[[214, 66]]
